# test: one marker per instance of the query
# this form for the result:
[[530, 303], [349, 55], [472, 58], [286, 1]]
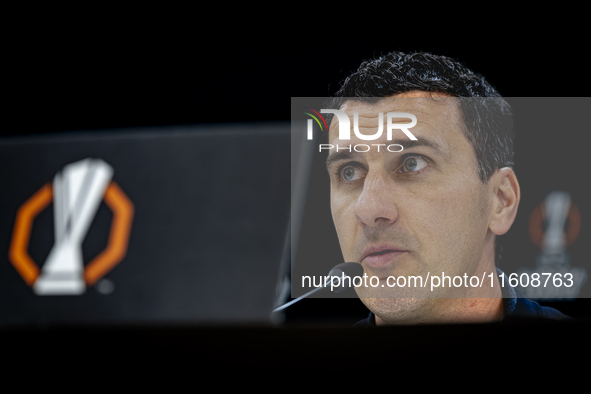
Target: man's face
[[422, 210]]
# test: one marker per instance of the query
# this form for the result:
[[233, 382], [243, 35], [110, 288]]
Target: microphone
[[336, 281], [349, 270]]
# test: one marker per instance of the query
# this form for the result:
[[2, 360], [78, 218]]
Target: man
[[433, 204]]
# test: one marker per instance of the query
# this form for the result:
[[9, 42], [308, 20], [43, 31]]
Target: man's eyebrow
[[406, 144], [337, 156]]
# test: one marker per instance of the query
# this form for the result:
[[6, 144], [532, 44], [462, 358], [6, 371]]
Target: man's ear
[[505, 200]]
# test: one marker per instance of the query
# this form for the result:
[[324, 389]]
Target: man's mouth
[[382, 252], [378, 257]]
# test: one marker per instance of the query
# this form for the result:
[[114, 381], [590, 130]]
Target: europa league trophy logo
[[554, 225], [77, 193]]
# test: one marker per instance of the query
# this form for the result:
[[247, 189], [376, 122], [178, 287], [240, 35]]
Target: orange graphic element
[[117, 247], [115, 251], [536, 225], [18, 254]]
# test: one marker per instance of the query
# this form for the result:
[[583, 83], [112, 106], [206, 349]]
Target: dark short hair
[[487, 117]]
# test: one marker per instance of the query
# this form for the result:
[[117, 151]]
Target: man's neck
[[464, 310], [478, 305]]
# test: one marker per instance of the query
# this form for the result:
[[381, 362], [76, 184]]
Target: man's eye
[[350, 174], [413, 164]]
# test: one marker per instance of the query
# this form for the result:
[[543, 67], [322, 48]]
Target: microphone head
[[349, 269]]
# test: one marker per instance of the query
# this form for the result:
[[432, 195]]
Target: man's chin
[[396, 310], [396, 305], [383, 290]]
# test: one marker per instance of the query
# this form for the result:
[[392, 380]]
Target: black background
[[68, 80], [64, 80]]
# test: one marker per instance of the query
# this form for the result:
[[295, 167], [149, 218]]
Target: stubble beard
[[398, 310], [407, 305]]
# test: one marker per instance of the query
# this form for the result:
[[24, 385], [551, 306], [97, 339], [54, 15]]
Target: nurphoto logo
[[345, 129]]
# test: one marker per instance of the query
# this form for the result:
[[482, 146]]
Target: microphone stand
[[301, 297]]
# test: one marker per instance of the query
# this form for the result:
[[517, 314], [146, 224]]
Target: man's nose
[[376, 204]]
